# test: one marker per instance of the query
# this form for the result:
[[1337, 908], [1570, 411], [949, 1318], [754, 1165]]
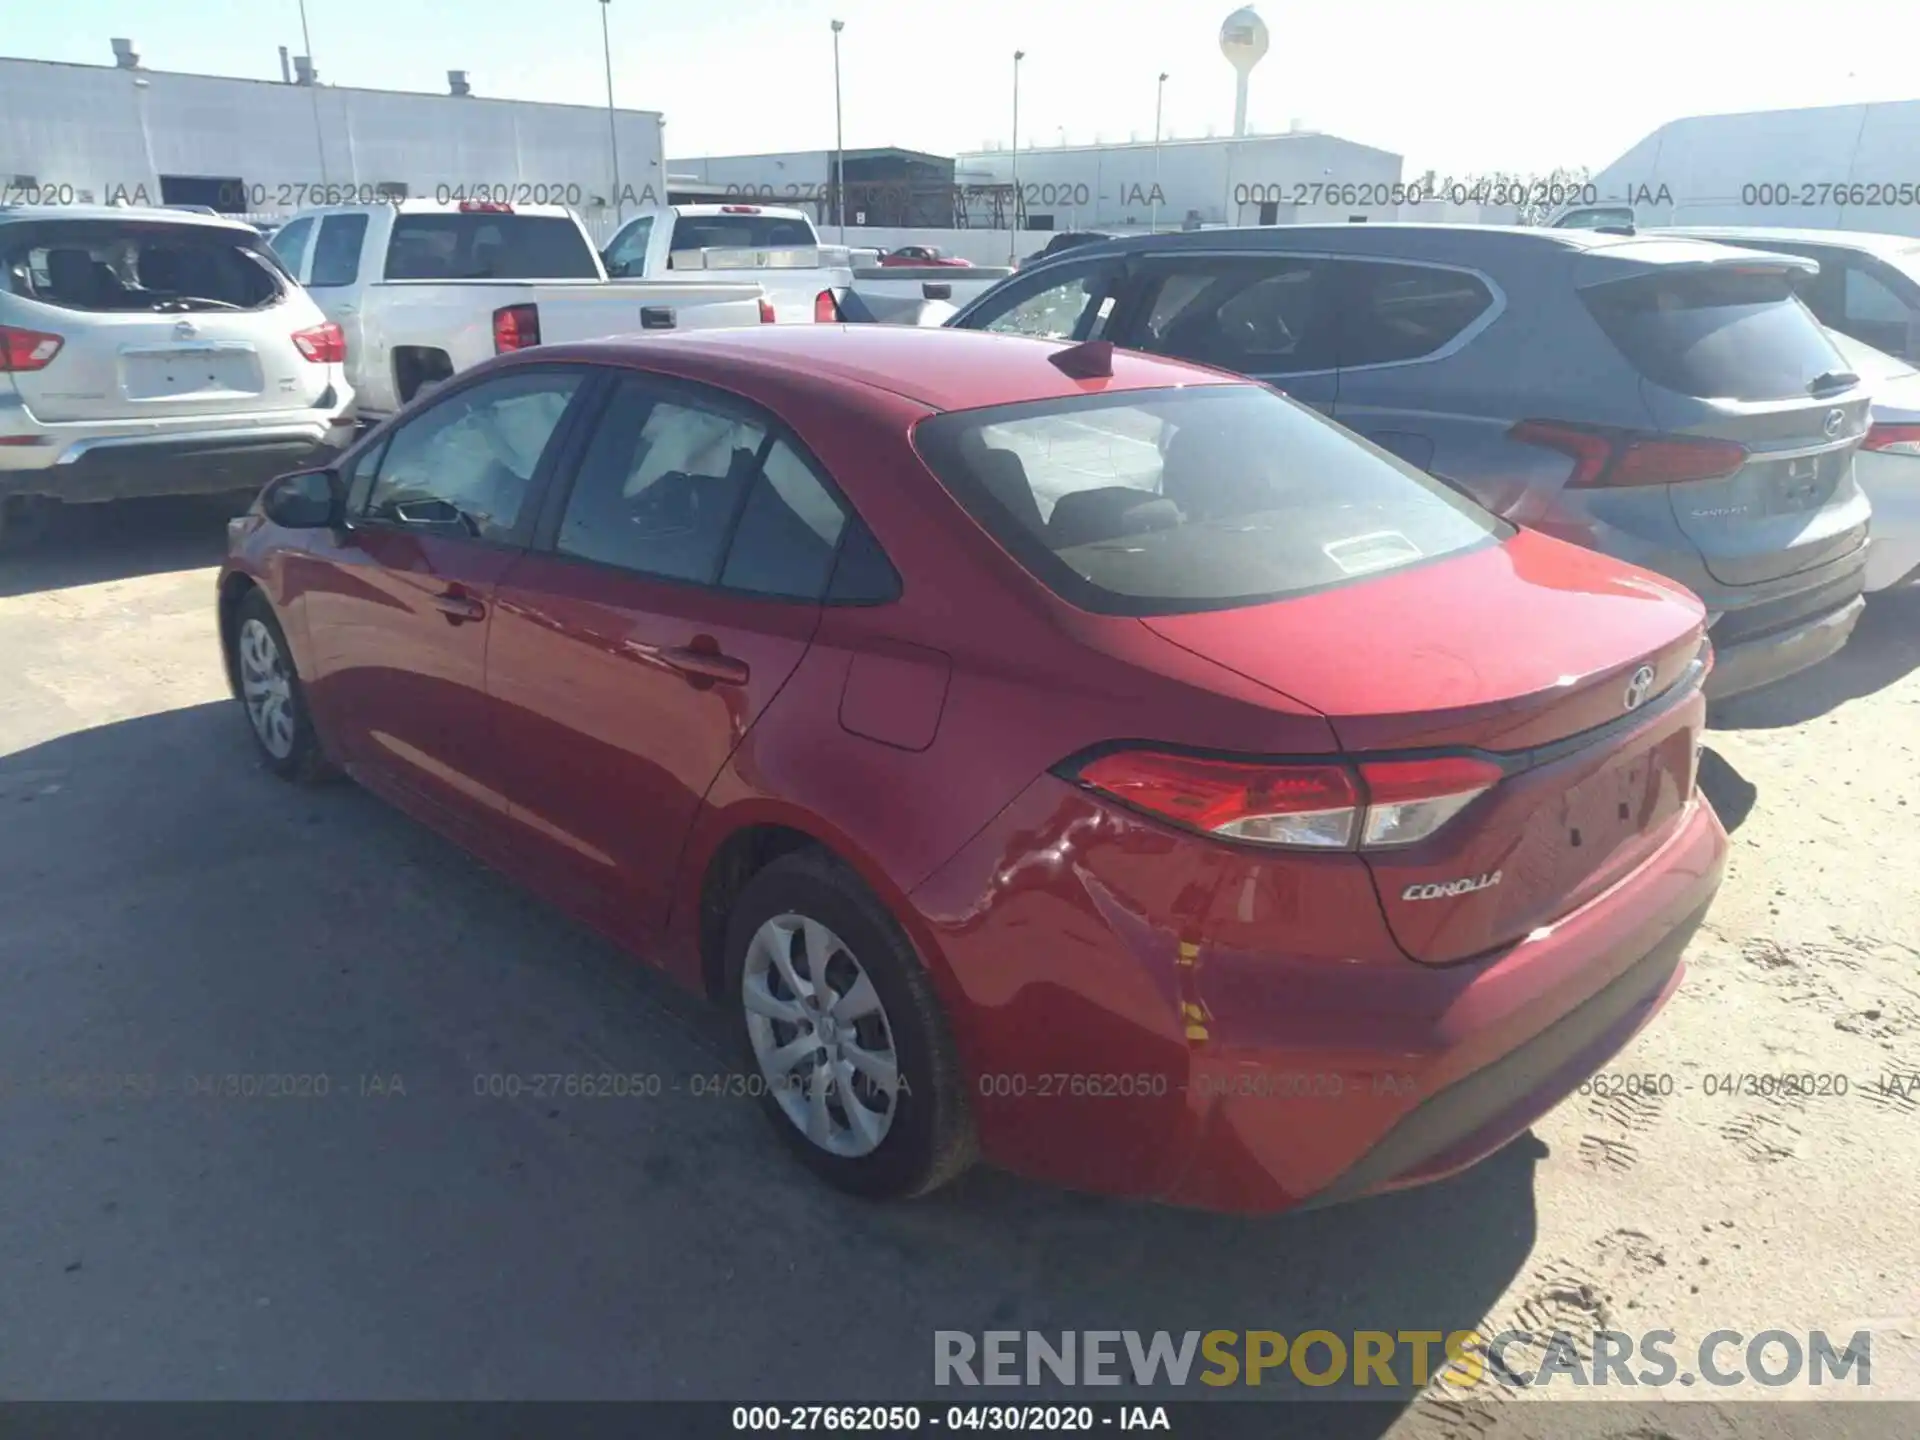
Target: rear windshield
[[489, 247], [128, 266], [1154, 502], [1728, 333], [740, 232]]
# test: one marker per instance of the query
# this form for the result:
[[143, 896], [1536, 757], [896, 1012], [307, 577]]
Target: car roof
[[1755, 237], [1460, 244], [144, 214], [940, 368]]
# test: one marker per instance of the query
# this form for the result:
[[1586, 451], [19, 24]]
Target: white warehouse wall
[[96, 131]]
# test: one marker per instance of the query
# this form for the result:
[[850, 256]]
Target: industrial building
[[79, 133]]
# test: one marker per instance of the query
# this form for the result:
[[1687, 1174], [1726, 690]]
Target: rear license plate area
[[190, 371], [1805, 483]]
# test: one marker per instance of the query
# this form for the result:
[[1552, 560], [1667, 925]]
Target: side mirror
[[304, 500]]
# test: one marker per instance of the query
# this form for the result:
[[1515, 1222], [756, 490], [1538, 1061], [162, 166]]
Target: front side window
[[1058, 307], [1205, 497], [466, 465], [336, 250]]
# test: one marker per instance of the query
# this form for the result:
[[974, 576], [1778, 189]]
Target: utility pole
[[1013, 237], [313, 92], [839, 144], [1153, 225], [613, 125]]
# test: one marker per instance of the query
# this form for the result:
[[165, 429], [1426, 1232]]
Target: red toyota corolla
[[1088, 761]]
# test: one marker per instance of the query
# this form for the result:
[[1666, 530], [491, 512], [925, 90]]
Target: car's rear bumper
[[116, 460], [1216, 1028], [1774, 655]]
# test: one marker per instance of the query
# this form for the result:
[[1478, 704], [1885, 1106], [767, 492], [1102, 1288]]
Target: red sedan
[[922, 255], [1095, 763]]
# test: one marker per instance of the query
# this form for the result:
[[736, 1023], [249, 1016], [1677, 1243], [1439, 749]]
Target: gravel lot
[[169, 910]]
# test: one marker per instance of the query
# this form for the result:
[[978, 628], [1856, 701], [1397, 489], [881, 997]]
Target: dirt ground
[[165, 906]]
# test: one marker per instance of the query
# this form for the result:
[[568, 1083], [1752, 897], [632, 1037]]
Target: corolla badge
[[1440, 890], [1639, 687], [1835, 419]]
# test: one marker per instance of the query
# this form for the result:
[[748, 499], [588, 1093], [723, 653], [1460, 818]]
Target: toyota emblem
[[1835, 419], [1639, 687]]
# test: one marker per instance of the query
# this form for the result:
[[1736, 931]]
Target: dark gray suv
[[1666, 401]]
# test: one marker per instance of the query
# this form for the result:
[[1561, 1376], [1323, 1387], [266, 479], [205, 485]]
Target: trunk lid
[[1726, 352], [1579, 673]]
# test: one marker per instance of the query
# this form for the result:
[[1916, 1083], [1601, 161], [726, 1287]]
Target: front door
[[399, 601]]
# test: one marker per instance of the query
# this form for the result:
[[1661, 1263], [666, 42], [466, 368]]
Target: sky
[[1468, 87]]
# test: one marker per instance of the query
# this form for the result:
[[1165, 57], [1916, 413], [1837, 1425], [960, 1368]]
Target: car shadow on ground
[[170, 911], [1732, 794], [89, 544], [1884, 649]]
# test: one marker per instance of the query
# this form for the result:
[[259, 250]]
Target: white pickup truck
[[423, 290], [806, 280]]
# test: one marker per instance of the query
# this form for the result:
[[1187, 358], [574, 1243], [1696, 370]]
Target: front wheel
[[276, 705], [841, 1033]]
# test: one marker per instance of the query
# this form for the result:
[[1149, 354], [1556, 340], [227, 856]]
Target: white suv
[[155, 352]]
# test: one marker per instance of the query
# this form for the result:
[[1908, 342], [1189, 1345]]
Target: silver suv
[[155, 352]]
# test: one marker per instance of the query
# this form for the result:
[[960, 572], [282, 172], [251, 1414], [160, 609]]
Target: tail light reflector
[[22, 350], [1610, 458], [1377, 805], [767, 316], [826, 311], [1893, 439], [323, 344], [515, 327]]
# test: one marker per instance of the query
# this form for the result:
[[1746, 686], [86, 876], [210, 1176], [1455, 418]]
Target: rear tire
[[831, 1000], [271, 695]]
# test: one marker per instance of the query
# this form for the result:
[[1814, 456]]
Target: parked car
[[774, 247], [1868, 286], [423, 290], [922, 255], [154, 352], [1063, 754], [1666, 401], [1889, 464]]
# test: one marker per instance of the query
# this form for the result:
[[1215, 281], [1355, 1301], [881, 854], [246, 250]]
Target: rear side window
[[1406, 312], [628, 253], [127, 266], [1260, 317], [1733, 332], [488, 245], [740, 232], [290, 244], [1200, 498], [336, 250]]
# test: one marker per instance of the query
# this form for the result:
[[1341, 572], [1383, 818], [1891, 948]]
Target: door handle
[[458, 608], [703, 664]]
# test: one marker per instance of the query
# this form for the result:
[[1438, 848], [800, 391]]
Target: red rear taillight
[[1608, 458], [825, 311], [1296, 805], [515, 327], [484, 207], [766, 311], [1893, 439], [1387, 803], [323, 344], [27, 349]]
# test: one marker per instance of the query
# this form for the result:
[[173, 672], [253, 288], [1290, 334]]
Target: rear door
[[1274, 317], [674, 588], [1726, 352], [157, 319]]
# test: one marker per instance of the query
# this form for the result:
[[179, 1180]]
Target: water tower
[[1243, 40]]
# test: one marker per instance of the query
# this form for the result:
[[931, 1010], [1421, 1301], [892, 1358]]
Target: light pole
[[1159, 98], [319, 141], [839, 144], [1013, 235], [613, 126]]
